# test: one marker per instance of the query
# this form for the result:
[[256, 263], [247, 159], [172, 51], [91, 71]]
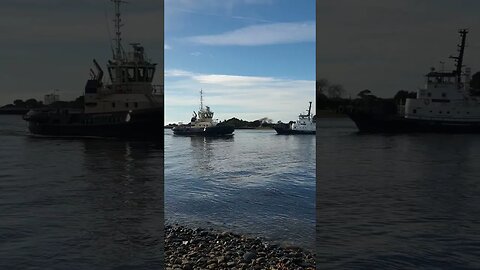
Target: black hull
[[395, 124], [140, 124], [206, 132]]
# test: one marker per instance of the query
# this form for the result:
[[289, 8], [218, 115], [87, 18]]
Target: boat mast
[[118, 40], [201, 99], [459, 59], [309, 109]]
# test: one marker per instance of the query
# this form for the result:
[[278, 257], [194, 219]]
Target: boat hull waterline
[[209, 131], [397, 124], [288, 131], [140, 123]]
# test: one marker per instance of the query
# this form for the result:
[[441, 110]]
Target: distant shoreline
[[256, 128], [14, 111]]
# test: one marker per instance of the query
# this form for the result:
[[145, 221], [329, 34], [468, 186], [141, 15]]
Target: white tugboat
[[203, 124], [304, 125], [130, 105], [444, 105]]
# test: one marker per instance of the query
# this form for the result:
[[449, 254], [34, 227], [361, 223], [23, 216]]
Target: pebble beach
[[196, 248]]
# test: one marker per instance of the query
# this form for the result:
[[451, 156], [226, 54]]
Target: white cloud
[[245, 97], [262, 34], [231, 80], [195, 53], [178, 73], [167, 47], [226, 5]]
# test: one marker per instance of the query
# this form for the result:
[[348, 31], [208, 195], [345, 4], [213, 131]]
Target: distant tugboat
[[204, 125], [304, 125], [129, 106], [444, 105]]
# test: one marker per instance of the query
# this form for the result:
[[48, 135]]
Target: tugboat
[[445, 105], [203, 124], [130, 105], [304, 125]]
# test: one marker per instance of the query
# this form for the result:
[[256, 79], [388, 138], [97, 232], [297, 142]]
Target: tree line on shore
[[32, 103], [242, 124]]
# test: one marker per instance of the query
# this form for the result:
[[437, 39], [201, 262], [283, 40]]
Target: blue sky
[[252, 58]]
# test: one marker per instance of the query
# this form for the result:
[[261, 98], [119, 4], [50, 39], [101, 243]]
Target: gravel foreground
[[191, 249]]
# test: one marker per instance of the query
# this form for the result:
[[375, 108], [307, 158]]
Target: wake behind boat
[[128, 106], [203, 124], [445, 105], [305, 124]]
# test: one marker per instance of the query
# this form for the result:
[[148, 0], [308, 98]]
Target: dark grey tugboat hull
[[209, 131], [141, 123]]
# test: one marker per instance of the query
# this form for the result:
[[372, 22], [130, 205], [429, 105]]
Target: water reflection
[[126, 184], [254, 182], [204, 149], [397, 201]]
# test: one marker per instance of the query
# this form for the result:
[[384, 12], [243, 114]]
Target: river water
[[255, 183], [384, 201], [397, 201], [94, 203], [78, 203]]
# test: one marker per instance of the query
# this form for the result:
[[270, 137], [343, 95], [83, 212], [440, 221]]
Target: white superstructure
[[130, 75], [204, 119], [305, 122], [446, 96]]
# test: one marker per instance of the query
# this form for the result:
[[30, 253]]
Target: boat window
[[135, 104], [141, 74], [444, 95], [440, 112], [448, 112], [126, 104], [151, 71], [111, 72], [124, 75], [113, 104], [90, 104], [414, 111], [429, 94], [131, 74]]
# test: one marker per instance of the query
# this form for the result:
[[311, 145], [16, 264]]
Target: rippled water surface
[[255, 182], [78, 203], [397, 201]]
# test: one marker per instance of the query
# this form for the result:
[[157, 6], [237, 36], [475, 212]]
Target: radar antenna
[[459, 59], [118, 40], [309, 109]]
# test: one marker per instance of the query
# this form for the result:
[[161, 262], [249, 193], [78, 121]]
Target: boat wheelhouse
[[129, 104], [203, 124], [305, 124], [445, 104]]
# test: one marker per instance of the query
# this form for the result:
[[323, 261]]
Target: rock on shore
[[191, 249]]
